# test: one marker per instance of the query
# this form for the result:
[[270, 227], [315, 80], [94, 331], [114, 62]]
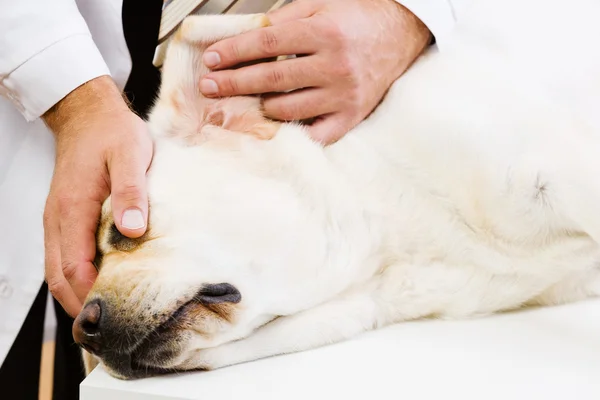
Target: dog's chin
[[158, 353], [138, 365], [130, 370]]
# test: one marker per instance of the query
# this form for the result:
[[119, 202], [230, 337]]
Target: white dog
[[463, 194]]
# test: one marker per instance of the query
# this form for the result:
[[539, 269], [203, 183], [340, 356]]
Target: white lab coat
[[47, 49]]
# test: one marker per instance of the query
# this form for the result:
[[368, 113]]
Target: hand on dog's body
[[102, 147], [352, 52]]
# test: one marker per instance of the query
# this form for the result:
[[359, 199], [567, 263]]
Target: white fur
[[468, 191]]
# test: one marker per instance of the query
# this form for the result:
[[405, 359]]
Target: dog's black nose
[[86, 328]]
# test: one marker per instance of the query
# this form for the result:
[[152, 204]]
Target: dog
[[463, 194]]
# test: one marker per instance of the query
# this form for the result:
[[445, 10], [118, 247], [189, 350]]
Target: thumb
[[128, 195]]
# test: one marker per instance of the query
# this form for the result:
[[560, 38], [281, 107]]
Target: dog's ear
[[181, 110]]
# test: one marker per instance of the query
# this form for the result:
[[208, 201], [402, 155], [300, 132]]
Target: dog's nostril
[[90, 325], [89, 328], [86, 328], [90, 318]]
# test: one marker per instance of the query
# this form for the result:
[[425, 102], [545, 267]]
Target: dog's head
[[232, 241], [225, 252]]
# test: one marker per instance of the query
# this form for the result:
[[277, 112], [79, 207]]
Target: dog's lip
[[170, 321]]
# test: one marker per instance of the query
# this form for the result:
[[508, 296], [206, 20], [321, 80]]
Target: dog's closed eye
[[120, 242]]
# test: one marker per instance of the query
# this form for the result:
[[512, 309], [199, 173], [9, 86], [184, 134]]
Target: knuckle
[[50, 210], [128, 192], [276, 77], [346, 71], [65, 203], [47, 216], [228, 84], [233, 52], [335, 35], [69, 268], [355, 99], [269, 43]]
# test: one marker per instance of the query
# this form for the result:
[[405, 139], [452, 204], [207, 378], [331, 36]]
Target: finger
[[57, 284], [293, 11], [292, 38], [301, 104], [330, 128], [78, 223], [128, 193], [279, 76]]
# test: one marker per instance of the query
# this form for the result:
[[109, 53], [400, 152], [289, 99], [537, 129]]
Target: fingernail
[[133, 219], [211, 59], [208, 86]]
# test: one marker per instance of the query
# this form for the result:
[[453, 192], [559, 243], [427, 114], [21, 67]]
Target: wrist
[[97, 97]]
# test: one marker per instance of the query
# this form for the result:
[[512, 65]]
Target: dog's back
[[482, 176]]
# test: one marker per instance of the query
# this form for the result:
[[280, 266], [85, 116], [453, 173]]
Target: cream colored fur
[[467, 192]]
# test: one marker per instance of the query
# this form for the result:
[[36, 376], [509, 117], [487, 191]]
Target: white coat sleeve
[[437, 15], [46, 51]]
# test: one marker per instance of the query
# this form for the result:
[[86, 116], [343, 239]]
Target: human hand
[[102, 148], [352, 51]]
